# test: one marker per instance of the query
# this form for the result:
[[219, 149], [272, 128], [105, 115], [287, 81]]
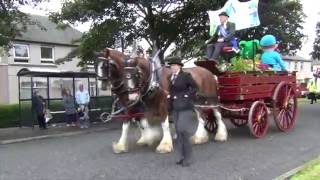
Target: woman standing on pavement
[[69, 107], [182, 90]]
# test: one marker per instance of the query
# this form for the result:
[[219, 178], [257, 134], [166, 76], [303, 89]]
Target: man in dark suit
[[182, 90], [223, 36]]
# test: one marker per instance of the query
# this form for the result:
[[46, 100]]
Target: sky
[[310, 7]]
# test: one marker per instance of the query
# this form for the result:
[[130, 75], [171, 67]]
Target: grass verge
[[310, 172]]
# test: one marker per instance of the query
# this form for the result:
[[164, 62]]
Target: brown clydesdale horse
[[131, 82]]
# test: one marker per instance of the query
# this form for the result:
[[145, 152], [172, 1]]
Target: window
[[47, 54], [295, 66], [21, 53], [301, 66]]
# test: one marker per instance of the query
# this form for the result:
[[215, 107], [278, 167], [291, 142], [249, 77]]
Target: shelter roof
[[45, 72]]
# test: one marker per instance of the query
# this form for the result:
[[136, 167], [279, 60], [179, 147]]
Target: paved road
[[90, 157]]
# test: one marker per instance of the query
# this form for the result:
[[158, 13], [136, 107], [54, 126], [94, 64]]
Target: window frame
[[18, 58], [46, 60]]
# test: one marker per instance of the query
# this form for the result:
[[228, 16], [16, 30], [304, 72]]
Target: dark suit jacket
[[182, 92], [38, 105], [231, 29]]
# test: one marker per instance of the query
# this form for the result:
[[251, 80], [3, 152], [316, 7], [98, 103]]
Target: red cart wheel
[[258, 119], [284, 106], [239, 122], [210, 123]]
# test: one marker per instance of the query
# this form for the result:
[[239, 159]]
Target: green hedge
[[9, 114]]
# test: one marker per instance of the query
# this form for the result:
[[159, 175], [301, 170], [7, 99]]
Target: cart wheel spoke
[[284, 106], [258, 119]]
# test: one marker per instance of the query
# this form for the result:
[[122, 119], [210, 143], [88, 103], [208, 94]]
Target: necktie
[[173, 78]]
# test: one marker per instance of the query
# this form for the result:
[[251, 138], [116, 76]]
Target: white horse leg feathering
[[201, 136], [122, 145], [149, 134], [166, 144], [222, 134]]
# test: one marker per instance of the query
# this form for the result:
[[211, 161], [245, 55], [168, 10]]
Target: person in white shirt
[[82, 100]]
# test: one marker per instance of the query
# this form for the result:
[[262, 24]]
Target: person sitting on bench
[[225, 33]]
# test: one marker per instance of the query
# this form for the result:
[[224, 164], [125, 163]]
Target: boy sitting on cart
[[270, 56]]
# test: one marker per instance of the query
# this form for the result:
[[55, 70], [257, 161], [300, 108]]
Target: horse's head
[[125, 74], [109, 69], [135, 77]]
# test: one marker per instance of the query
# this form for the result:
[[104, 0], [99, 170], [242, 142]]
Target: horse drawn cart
[[248, 98]]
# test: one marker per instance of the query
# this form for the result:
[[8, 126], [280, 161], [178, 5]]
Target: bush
[[9, 115]]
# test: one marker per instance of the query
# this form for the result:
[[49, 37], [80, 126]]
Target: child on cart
[[270, 56]]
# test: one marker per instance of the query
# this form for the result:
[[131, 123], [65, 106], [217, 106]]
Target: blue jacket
[[274, 59]]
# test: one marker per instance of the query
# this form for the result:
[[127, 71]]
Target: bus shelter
[[49, 84]]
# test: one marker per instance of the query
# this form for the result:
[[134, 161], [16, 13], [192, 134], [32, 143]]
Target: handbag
[[47, 115]]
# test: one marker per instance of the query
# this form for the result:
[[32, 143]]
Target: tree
[[163, 22], [12, 20], [316, 44]]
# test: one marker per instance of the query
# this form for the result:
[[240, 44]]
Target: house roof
[[44, 72], [51, 34], [295, 58]]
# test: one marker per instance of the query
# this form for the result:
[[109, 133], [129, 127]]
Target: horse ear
[[106, 52]]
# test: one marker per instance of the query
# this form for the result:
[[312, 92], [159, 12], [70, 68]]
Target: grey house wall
[[12, 93], [4, 99]]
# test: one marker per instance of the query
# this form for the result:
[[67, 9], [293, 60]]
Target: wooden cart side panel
[[233, 97], [248, 89], [252, 79], [240, 86]]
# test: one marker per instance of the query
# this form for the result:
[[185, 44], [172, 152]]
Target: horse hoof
[[119, 148], [199, 140], [221, 138], [164, 148], [141, 142]]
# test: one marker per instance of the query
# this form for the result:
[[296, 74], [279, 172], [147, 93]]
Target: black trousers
[[71, 118], [183, 125], [41, 121], [312, 97]]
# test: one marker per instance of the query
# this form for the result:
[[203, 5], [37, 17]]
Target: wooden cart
[[248, 98]]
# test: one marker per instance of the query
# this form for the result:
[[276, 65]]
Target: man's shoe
[[180, 162], [185, 164]]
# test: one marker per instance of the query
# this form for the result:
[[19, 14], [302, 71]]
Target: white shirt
[[82, 97], [224, 25], [174, 75]]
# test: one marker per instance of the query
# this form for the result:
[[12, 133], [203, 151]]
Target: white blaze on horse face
[[133, 96], [130, 84]]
